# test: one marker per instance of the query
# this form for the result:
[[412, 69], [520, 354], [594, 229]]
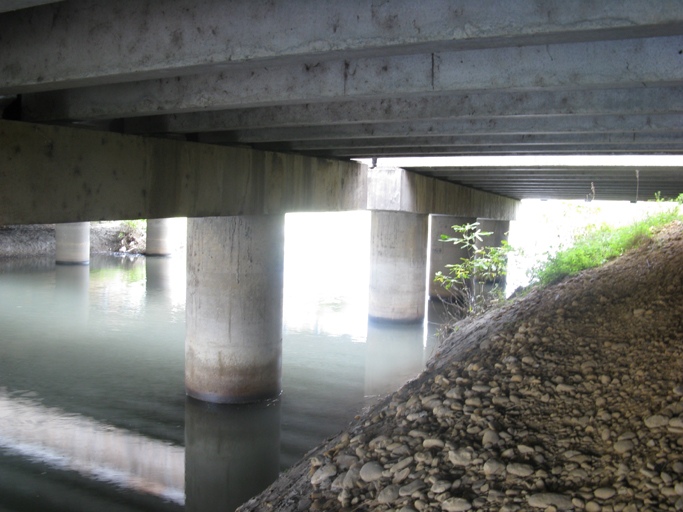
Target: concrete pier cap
[[72, 243], [233, 340]]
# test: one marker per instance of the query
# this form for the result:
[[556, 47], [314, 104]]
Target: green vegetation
[[478, 281], [475, 284], [595, 245]]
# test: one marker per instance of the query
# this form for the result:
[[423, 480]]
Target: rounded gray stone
[[371, 471]]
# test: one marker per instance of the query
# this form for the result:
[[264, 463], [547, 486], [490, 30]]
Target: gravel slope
[[570, 398]]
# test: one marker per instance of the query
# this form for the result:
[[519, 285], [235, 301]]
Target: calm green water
[[93, 414]]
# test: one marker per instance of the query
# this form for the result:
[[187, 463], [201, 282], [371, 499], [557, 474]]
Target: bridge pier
[[73, 243], [398, 266], [233, 340], [442, 254], [159, 237]]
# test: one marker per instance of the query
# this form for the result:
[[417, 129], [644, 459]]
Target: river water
[[93, 415]]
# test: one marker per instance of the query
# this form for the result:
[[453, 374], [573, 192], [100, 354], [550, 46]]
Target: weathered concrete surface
[[626, 63], [444, 253], [233, 334], [57, 174], [468, 129], [398, 266], [473, 108], [394, 189], [89, 42], [72, 243], [13, 5]]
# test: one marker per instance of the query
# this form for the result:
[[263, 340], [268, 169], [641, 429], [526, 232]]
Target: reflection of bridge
[[234, 113], [101, 451], [230, 455]]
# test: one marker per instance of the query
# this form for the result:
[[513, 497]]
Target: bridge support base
[[398, 266], [233, 340]]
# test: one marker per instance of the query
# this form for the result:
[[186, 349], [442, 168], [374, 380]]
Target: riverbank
[[30, 240], [570, 398]]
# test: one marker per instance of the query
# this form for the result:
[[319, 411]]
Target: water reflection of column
[[159, 276], [232, 452], [72, 286], [394, 354]]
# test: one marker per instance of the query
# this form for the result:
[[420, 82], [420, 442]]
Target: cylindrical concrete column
[[233, 333], [159, 237], [73, 243], [444, 253], [398, 266]]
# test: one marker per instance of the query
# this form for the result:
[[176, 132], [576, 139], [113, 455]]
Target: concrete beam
[[15, 5], [526, 140], [482, 107], [631, 63], [93, 42], [549, 149], [57, 174], [466, 126]]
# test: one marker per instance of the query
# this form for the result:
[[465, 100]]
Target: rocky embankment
[[570, 398]]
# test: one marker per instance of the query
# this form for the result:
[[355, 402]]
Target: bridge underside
[[235, 113], [365, 79]]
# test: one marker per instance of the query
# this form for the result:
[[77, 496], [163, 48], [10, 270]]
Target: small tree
[[475, 283]]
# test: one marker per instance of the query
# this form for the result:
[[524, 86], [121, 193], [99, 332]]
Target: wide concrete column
[[233, 337], [73, 243], [444, 253], [398, 266], [159, 237]]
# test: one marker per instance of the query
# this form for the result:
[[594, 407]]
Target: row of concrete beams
[[497, 112], [630, 63], [90, 42], [61, 174], [567, 182]]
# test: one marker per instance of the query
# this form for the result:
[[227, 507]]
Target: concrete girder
[[60, 174], [564, 124], [483, 106], [90, 42], [540, 149], [586, 138], [632, 63], [15, 5]]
